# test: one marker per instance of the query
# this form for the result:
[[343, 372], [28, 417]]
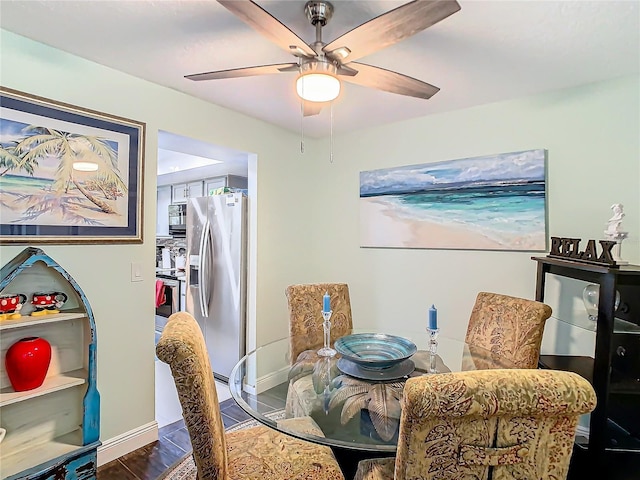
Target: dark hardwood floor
[[151, 461]]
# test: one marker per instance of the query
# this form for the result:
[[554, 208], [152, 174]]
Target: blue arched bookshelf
[[53, 431]]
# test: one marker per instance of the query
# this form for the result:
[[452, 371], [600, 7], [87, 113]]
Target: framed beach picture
[[68, 174], [493, 202]]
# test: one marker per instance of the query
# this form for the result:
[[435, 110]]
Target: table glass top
[[336, 402]]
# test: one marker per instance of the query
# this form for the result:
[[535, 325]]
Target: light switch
[[136, 272]]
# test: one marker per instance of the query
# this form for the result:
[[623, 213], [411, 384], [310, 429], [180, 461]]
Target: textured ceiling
[[486, 52]]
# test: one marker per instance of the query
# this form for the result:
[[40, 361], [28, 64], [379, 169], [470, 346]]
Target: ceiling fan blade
[[263, 22], [390, 28], [388, 81], [311, 108], [242, 72]]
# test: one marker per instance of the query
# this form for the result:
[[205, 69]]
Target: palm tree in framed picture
[[78, 156], [9, 161]]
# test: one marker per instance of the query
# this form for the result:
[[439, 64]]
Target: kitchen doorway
[[186, 168]]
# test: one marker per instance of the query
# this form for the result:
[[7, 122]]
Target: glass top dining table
[[334, 402]]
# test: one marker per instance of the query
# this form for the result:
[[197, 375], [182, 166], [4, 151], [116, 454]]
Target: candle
[[433, 318], [326, 302]]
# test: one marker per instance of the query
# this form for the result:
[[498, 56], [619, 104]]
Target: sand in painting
[[16, 198], [380, 226]]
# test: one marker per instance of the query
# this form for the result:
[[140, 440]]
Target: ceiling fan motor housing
[[318, 12], [318, 66]]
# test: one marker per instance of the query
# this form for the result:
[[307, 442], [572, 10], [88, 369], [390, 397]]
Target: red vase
[[27, 363]]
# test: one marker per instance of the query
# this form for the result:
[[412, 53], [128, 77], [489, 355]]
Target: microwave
[[178, 219]]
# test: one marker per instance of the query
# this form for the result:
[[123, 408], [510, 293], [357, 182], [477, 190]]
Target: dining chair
[[509, 327], [305, 315], [306, 335], [487, 424], [257, 453]]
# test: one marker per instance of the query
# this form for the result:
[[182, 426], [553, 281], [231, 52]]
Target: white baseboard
[[127, 442], [267, 381]]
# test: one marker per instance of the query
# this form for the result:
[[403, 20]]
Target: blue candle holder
[[326, 350], [433, 348]]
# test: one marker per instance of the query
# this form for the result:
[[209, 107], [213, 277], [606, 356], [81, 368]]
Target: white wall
[[126, 334], [592, 134]]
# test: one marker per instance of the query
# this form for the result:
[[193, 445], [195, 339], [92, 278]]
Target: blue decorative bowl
[[374, 350]]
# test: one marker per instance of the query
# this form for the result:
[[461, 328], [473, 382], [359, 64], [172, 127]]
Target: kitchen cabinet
[[231, 181], [53, 430], [183, 191], [614, 369], [162, 217], [180, 192]]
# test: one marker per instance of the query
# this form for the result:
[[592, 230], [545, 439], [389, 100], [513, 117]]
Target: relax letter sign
[[570, 248]]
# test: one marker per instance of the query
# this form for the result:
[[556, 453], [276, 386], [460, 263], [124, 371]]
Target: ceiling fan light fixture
[[317, 87]]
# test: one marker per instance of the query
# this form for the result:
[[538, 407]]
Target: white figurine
[[614, 232], [614, 225]]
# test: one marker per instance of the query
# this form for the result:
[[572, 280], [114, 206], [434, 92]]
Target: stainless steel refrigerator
[[216, 275]]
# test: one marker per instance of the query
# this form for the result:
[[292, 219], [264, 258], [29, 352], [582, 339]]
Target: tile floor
[[151, 461]]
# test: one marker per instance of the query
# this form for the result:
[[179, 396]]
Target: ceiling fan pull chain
[[331, 133]]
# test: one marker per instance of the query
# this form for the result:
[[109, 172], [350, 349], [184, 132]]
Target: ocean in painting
[[20, 182], [493, 202]]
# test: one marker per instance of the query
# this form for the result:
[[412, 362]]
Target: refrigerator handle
[[202, 274], [208, 263]]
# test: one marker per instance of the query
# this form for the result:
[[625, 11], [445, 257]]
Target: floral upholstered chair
[[509, 327], [307, 336], [305, 315], [257, 453], [491, 424]]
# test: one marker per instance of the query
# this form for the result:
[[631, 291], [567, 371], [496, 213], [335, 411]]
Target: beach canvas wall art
[[493, 202], [67, 174]]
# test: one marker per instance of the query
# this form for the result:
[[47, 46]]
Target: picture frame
[[490, 202], [68, 174]]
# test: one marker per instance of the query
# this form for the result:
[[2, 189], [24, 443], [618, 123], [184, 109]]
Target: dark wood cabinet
[[614, 369]]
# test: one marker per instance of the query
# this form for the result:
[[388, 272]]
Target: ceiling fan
[[321, 65]]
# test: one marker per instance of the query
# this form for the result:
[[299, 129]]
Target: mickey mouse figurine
[[47, 303], [10, 305]]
